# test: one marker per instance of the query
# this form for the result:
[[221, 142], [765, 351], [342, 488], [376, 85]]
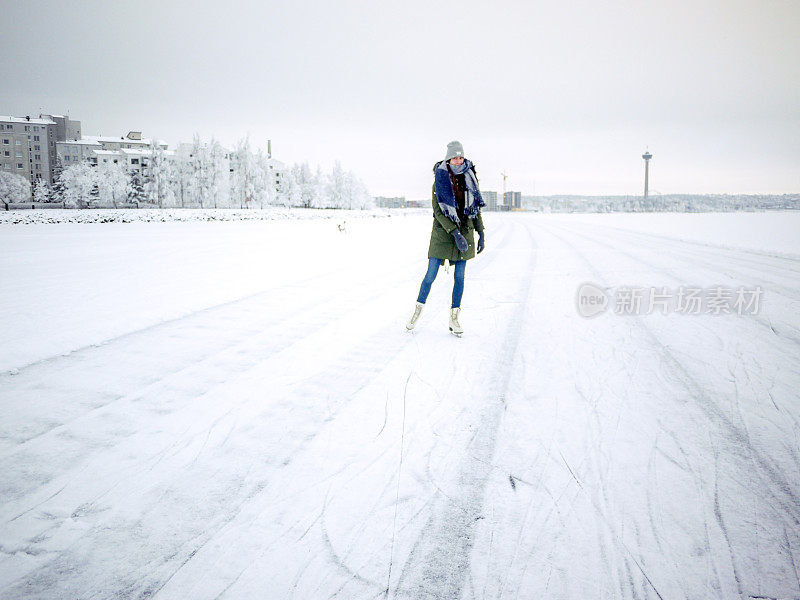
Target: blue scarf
[[446, 197]]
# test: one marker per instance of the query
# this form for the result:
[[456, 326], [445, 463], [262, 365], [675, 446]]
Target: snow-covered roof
[[27, 121], [107, 152], [144, 152], [113, 139], [81, 142]]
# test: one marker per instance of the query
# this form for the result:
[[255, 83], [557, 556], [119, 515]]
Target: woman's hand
[[480, 242], [461, 241]]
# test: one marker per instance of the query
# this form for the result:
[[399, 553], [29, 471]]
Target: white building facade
[[131, 150], [27, 147]]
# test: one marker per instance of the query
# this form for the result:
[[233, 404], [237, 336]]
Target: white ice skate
[[455, 326], [412, 322]]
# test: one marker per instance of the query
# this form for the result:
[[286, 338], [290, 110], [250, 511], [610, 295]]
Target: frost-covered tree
[[159, 174], [136, 190], [183, 181], [199, 184], [41, 191], [208, 174], [219, 173], [78, 182], [336, 188], [289, 192], [14, 188], [57, 193], [320, 196], [113, 184], [245, 176], [203, 175], [356, 194], [263, 181], [307, 184]]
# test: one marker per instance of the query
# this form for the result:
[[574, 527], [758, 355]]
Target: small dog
[[342, 226]]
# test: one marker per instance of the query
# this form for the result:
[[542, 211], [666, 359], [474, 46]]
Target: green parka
[[443, 245]]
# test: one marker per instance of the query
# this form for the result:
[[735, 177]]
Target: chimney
[[269, 148]]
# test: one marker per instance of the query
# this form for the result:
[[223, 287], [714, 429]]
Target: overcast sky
[[564, 96]]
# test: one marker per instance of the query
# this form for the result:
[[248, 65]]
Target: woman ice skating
[[457, 206]]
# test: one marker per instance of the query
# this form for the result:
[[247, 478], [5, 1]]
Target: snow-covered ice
[[235, 410]]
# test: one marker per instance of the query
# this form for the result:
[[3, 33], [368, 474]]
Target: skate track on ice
[[252, 448]]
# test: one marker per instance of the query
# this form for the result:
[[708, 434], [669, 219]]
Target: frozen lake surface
[[234, 410]]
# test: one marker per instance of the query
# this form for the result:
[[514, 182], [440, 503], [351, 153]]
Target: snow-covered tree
[[57, 193], [307, 183], [78, 182], [14, 188], [113, 184], [183, 181], [245, 177], [205, 175], [356, 194], [289, 192], [41, 191], [219, 174], [159, 174], [335, 188], [263, 181], [199, 175], [136, 190]]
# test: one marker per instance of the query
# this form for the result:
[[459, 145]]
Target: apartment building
[[513, 200], [66, 128], [490, 198], [27, 147], [131, 150]]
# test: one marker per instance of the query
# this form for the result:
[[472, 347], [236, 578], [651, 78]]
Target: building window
[[116, 161], [66, 158], [19, 154], [36, 138], [38, 157], [5, 141], [19, 165], [74, 159], [105, 160], [38, 167], [36, 148], [27, 127], [134, 161], [36, 128], [17, 142], [6, 153]]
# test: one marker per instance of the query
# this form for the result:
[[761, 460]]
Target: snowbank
[[149, 215]]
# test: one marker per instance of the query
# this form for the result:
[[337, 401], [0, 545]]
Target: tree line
[[206, 177]]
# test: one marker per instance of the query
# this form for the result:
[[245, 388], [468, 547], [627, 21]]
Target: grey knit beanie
[[454, 149]]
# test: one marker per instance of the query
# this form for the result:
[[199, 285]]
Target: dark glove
[[480, 242], [461, 241]]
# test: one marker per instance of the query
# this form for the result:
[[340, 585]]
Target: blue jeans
[[433, 269]]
